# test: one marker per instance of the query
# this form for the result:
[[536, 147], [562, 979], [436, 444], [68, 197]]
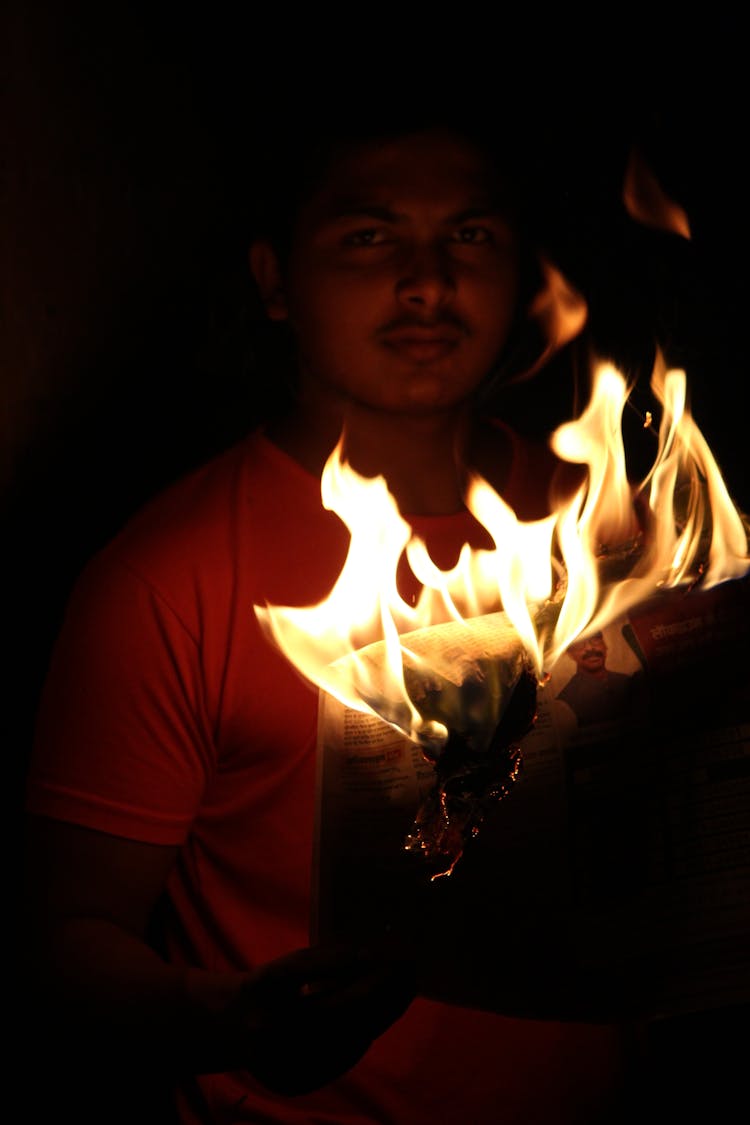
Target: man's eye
[[369, 237], [472, 236]]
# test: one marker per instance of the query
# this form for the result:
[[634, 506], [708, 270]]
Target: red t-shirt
[[168, 718]]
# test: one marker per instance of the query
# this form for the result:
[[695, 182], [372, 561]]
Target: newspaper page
[[626, 838]]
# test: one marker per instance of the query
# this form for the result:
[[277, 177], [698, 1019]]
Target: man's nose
[[426, 281]]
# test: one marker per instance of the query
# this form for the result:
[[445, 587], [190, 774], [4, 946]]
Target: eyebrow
[[346, 210]]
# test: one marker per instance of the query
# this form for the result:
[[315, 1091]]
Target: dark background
[[130, 337], [129, 329]]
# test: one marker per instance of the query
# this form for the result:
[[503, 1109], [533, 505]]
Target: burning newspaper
[[473, 680], [424, 708]]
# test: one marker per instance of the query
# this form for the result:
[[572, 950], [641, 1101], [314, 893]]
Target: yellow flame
[[549, 577], [688, 495]]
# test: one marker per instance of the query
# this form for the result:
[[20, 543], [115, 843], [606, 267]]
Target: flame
[[559, 312], [559, 307], [551, 578], [647, 203]]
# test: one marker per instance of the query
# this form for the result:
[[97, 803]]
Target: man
[[176, 749], [595, 693]]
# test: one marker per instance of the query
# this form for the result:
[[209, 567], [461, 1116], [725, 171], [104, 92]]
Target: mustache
[[406, 320]]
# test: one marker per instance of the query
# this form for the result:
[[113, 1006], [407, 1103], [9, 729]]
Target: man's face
[[590, 654], [402, 278]]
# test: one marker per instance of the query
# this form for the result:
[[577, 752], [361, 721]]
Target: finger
[[368, 1004], [304, 971]]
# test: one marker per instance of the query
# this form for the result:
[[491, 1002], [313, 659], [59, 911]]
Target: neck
[[421, 457], [598, 674]]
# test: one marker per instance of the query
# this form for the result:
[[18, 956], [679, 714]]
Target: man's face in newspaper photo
[[590, 654]]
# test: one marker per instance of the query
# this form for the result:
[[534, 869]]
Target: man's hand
[[310, 1016], [295, 1024]]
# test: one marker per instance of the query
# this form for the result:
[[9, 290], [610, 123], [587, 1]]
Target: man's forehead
[[595, 640], [437, 171]]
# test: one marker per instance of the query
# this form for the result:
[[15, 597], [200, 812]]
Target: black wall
[[130, 335]]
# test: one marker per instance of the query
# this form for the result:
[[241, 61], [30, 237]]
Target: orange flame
[[559, 312], [647, 203], [559, 307]]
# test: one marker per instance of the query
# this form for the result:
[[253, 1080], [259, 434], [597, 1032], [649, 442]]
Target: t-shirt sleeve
[[123, 739]]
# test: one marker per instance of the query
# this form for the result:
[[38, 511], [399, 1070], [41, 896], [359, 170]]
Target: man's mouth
[[423, 343]]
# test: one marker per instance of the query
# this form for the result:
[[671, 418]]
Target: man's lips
[[423, 343]]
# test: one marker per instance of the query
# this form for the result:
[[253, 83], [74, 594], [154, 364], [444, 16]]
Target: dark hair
[[294, 156]]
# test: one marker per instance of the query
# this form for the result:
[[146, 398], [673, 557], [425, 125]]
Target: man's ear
[[265, 268]]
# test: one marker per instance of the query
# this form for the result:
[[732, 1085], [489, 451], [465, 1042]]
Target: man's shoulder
[[205, 505], [240, 517], [575, 684]]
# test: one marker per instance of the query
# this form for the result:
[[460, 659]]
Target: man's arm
[[295, 1024]]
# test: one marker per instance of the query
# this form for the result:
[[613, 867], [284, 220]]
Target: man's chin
[[427, 389]]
